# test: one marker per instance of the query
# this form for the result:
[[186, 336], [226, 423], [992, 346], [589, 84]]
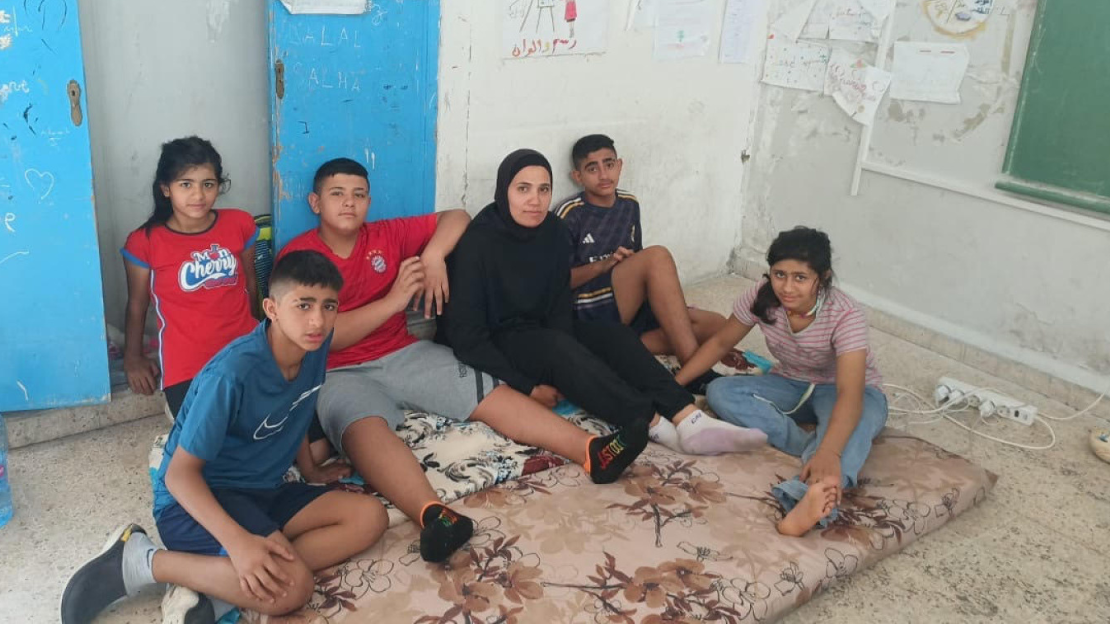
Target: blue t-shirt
[[243, 418]]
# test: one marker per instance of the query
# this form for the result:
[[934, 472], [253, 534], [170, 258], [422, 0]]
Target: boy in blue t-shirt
[[234, 530], [613, 277]]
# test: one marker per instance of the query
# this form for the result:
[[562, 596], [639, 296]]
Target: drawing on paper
[[533, 28], [856, 87], [928, 72], [958, 18], [683, 28], [796, 65]]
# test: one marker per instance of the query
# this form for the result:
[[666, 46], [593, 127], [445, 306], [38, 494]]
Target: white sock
[[701, 434], [138, 562], [663, 432]]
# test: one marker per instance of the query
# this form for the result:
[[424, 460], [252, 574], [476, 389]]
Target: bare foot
[[818, 502]]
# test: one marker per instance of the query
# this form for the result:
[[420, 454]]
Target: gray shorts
[[423, 376]]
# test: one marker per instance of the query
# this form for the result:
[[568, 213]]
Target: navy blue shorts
[[644, 321], [260, 512]]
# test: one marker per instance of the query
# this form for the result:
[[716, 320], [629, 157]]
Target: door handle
[[279, 78], [73, 91]]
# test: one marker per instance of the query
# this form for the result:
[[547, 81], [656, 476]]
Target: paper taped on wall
[[797, 65], [928, 72]]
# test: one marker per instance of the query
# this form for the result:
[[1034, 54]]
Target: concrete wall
[[680, 126], [1016, 279], [160, 70]]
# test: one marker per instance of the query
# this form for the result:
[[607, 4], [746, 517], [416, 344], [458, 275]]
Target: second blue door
[[361, 86]]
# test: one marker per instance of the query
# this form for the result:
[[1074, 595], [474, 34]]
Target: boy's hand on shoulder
[[410, 280], [436, 290], [255, 561], [142, 373]]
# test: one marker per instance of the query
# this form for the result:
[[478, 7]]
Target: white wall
[[160, 70], [155, 71], [680, 126], [1027, 283], [1022, 284]]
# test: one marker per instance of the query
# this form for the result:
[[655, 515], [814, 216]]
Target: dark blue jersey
[[595, 234]]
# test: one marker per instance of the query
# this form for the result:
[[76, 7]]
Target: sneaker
[[182, 605], [444, 532], [99, 582]]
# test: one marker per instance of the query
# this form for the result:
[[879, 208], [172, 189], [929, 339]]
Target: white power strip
[[990, 403]]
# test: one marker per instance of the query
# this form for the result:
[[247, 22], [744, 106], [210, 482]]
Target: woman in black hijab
[[510, 316]]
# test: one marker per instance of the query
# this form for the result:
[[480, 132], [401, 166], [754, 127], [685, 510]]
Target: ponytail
[[765, 301], [163, 209]]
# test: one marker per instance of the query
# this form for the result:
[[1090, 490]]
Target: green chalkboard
[[1059, 146]]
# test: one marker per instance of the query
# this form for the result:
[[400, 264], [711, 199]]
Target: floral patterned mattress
[[678, 538], [459, 459]]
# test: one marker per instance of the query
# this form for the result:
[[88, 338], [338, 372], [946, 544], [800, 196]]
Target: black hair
[[588, 144], [803, 244], [337, 166], [305, 268], [177, 156]]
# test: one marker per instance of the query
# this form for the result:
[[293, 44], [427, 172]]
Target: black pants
[[603, 368], [175, 396]]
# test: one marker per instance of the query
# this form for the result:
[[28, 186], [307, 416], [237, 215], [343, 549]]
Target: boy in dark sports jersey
[[613, 277]]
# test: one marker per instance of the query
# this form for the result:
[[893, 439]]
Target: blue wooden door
[[361, 86], [52, 343]]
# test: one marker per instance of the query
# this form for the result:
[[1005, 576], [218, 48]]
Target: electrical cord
[[1081, 412], [945, 411]]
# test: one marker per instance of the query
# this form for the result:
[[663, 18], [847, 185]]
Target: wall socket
[[990, 403]]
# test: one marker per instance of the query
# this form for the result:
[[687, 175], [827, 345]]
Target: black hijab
[[511, 166], [506, 277]]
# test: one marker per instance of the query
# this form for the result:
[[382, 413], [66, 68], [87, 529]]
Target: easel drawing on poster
[[552, 28], [570, 14]]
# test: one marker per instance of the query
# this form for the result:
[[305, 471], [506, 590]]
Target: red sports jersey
[[368, 274], [197, 287]]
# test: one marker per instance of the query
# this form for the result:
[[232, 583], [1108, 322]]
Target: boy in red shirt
[[377, 369]]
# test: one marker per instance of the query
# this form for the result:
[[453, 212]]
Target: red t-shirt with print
[[197, 288], [368, 274]]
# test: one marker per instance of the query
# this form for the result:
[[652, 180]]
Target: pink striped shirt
[[810, 355]]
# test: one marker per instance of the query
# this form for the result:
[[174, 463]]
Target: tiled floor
[[1037, 550]]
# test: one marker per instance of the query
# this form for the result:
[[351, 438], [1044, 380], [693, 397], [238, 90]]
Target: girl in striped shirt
[[825, 376]]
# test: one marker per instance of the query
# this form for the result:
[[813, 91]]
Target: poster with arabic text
[[539, 28]]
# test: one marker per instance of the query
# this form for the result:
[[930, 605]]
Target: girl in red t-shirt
[[197, 266]]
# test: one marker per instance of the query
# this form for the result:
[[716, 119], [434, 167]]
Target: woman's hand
[[548, 396]]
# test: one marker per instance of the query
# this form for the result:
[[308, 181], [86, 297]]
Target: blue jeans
[[759, 402]]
